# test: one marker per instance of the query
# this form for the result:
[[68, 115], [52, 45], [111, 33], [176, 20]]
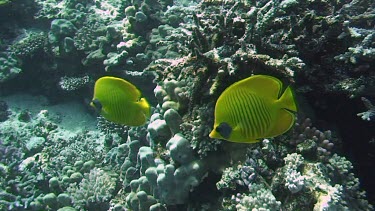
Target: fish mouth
[[211, 135], [215, 134]]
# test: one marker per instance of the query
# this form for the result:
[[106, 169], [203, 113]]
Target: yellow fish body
[[119, 101], [254, 108]]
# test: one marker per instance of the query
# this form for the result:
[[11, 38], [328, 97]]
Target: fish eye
[[224, 129]]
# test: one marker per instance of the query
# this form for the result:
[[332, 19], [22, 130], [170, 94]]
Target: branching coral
[[94, 191], [312, 185], [12, 182], [367, 115]]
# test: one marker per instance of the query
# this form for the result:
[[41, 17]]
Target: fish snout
[[212, 134]]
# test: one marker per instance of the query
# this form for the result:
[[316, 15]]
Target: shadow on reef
[[357, 135], [41, 77]]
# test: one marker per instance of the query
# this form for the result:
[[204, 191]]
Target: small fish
[[254, 108], [119, 101]]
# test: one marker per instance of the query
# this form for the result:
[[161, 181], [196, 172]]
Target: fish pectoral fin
[[237, 135]]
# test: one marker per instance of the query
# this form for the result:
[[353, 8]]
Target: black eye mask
[[224, 130]]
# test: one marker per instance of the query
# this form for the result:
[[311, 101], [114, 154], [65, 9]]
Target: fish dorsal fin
[[263, 85], [130, 91], [287, 113]]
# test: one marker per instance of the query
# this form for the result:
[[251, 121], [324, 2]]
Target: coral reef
[[29, 45], [297, 182], [4, 113], [94, 190], [10, 67], [370, 112], [73, 83], [183, 55]]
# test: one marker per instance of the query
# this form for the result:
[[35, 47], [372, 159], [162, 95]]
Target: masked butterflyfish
[[119, 101], [254, 108]]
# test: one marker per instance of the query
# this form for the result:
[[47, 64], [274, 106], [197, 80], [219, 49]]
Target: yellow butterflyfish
[[254, 108], [119, 101]]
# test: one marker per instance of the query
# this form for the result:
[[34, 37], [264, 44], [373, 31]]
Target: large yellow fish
[[119, 101], [254, 108]]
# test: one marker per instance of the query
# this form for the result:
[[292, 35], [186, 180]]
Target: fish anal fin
[[252, 141], [139, 121]]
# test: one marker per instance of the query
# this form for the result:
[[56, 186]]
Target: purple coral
[[310, 140]]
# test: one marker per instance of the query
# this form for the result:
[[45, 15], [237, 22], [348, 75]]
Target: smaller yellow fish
[[254, 108], [119, 101]]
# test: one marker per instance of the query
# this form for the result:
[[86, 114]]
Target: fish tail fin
[[288, 108], [145, 107], [287, 100]]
